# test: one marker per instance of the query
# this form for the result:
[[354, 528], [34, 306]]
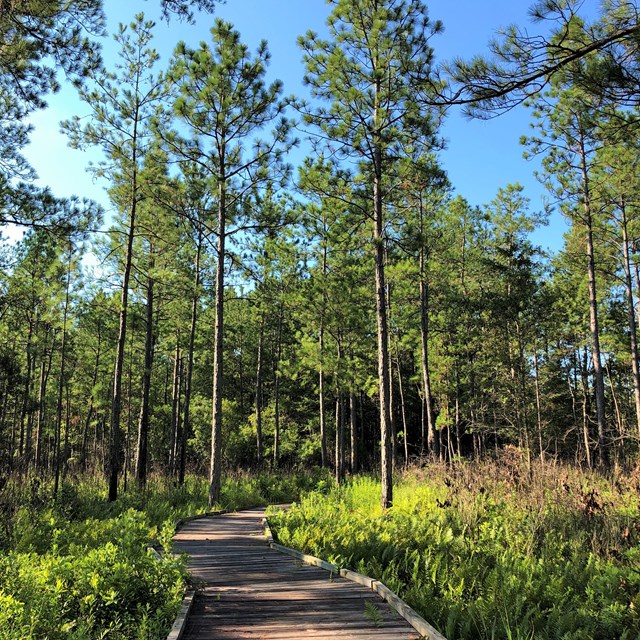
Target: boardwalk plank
[[249, 591]]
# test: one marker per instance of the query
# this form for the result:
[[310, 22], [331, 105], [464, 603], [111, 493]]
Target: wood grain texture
[[247, 590]]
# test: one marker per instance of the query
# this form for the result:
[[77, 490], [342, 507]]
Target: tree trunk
[[323, 427], [386, 461], [258, 397], [536, 374], [175, 407], [115, 462], [353, 421], [215, 469], [633, 330], [186, 419], [585, 410], [403, 413], [593, 316], [142, 447], [26, 400], [432, 441], [63, 363], [45, 369], [276, 390], [339, 437]]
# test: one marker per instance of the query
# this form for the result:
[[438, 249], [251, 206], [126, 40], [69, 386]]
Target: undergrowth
[[80, 568], [486, 550]]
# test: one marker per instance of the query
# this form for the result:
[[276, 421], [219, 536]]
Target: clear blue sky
[[481, 156]]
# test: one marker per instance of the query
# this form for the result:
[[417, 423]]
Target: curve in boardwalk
[[248, 590]]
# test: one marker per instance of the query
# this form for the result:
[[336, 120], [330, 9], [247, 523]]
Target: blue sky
[[481, 156]]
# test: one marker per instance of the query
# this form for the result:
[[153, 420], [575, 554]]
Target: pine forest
[[285, 298]]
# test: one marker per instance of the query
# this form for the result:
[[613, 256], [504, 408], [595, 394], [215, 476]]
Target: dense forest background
[[350, 312]]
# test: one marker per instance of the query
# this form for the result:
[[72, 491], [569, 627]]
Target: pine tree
[[223, 102], [375, 70]]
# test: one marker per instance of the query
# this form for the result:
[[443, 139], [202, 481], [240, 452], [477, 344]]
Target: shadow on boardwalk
[[252, 591]]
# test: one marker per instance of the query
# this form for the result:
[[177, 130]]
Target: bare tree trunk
[[403, 413], [276, 389], [142, 447], [633, 330], [323, 427], [186, 419], [339, 436], [354, 431], [115, 436], [26, 400], [175, 407], [593, 315], [259, 392], [215, 469], [536, 374], [585, 411], [63, 363], [45, 369], [432, 441]]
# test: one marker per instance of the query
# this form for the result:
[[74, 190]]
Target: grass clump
[[488, 551]]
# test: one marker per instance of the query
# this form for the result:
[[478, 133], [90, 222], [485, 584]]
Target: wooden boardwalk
[[248, 590]]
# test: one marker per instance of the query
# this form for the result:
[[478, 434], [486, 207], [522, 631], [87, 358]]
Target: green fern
[[372, 613]]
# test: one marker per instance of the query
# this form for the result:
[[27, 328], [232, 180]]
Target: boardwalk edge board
[[180, 623], [416, 621]]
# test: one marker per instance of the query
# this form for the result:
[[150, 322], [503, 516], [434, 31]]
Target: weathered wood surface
[[251, 591]]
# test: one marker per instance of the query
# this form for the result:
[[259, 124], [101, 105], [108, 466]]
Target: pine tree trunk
[[26, 399], [403, 413], [536, 374], [115, 436], [386, 460], [276, 390], [353, 421], [258, 397], [601, 449], [186, 419], [61, 382], [585, 410], [215, 469], [432, 441], [339, 463], [142, 447], [91, 410], [323, 427], [633, 330], [175, 407], [45, 369]]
